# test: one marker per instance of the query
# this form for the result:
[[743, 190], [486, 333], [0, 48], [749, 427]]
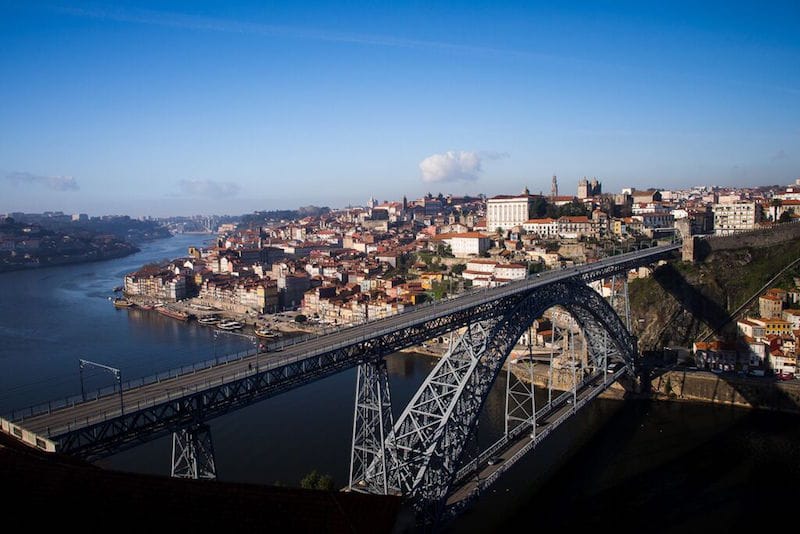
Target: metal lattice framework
[[372, 420], [428, 439], [139, 424], [193, 453], [500, 311], [520, 400], [415, 441]]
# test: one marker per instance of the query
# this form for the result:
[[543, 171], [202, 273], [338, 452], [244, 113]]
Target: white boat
[[229, 325], [208, 321]]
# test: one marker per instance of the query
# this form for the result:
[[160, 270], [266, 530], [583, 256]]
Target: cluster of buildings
[[366, 262], [651, 212], [765, 344]]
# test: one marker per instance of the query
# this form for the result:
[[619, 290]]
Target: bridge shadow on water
[[657, 467]]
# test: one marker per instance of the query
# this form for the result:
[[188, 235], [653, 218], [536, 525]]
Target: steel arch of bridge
[[99, 427], [428, 440]]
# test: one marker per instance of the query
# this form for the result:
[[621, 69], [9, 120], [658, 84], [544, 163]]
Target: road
[[65, 419], [547, 419]]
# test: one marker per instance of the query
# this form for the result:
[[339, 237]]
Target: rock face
[[683, 300]]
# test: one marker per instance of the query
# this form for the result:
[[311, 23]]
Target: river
[[655, 466]]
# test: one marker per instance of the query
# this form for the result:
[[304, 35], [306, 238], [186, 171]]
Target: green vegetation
[[443, 250], [300, 318], [432, 261], [714, 288], [316, 481], [458, 268], [541, 208]]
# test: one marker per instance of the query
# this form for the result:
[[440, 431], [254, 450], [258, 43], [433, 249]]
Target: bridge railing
[[596, 389], [496, 293], [132, 407], [109, 391]]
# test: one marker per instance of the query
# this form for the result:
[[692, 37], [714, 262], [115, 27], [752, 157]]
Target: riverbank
[[682, 385], [703, 386], [95, 256]]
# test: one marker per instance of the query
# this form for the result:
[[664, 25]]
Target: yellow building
[[777, 327]]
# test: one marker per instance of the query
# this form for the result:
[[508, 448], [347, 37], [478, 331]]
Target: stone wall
[[731, 390], [700, 248]]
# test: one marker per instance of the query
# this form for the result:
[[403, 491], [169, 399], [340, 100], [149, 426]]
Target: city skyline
[[161, 109]]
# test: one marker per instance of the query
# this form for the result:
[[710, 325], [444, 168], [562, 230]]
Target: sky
[[179, 108]]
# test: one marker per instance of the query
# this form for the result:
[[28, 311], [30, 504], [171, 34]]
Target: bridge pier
[[372, 421], [193, 453], [520, 400]]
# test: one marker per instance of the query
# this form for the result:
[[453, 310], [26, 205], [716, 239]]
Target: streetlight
[[216, 362], [113, 370]]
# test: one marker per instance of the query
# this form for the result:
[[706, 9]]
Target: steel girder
[[372, 421], [96, 439], [428, 440], [193, 453], [137, 425], [414, 442]]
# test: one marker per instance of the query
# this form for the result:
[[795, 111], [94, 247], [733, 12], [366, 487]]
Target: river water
[[633, 465]]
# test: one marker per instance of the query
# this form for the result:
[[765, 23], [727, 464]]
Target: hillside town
[[765, 344], [349, 266]]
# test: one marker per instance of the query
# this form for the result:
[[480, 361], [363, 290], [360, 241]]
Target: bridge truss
[[425, 448]]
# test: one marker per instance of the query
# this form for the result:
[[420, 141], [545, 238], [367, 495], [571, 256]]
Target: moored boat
[[123, 303], [229, 325], [208, 320], [175, 314], [266, 333]]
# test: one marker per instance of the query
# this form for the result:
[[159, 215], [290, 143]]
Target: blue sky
[[157, 108]]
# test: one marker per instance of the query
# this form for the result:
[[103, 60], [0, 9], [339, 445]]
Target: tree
[[310, 481], [786, 216], [573, 209], [325, 483], [444, 250], [458, 269], [316, 481], [535, 267], [538, 208], [300, 318]]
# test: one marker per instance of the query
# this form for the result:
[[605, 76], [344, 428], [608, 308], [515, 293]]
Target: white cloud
[[452, 166], [208, 188], [56, 183]]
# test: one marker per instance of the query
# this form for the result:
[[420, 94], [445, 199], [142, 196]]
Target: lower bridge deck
[[478, 475]]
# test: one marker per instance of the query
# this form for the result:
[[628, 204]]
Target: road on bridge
[[63, 420], [546, 418]]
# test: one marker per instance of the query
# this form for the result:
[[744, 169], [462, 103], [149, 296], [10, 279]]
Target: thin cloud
[[780, 154], [208, 188], [56, 183], [451, 166], [491, 155], [191, 22]]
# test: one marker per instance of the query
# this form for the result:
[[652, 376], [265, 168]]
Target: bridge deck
[[509, 451], [58, 422]]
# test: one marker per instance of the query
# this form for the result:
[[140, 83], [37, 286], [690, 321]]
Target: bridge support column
[[193, 453], [520, 402], [372, 422], [620, 301]]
